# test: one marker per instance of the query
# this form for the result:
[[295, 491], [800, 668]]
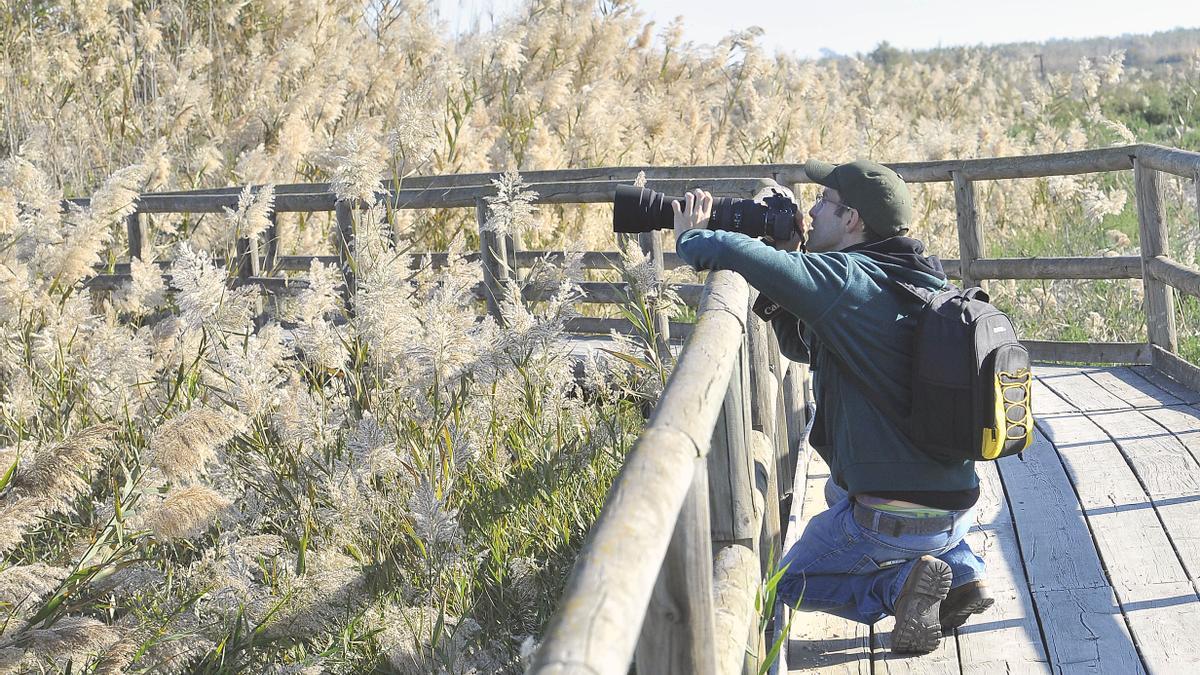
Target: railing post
[[248, 267], [1196, 186], [679, 634], [731, 493], [271, 257], [344, 213], [1159, 297], [970, 233], [513, 242], [136, 230], [785, 467], [651, 243], [763, 402], [493, 256]]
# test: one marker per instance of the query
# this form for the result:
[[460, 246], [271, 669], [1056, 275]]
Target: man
[[891, 542]]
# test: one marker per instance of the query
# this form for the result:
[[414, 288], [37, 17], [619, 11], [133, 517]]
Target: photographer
[[891, 542]]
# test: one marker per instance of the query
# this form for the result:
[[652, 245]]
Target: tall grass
[[403, 487]]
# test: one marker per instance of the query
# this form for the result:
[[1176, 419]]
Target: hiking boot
[[970, 598], [918, 624]]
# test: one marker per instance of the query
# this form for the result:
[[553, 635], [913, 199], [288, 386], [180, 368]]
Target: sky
[[803, 28]]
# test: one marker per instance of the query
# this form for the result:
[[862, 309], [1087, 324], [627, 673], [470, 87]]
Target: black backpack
[[971, 379]]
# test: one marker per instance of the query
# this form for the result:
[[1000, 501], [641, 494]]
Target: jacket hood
[[901, 252]]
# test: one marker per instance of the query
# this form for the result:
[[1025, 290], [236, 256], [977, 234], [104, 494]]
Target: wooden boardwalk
[[1092, 542]]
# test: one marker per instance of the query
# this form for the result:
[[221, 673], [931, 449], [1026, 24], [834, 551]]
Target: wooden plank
[[1183, 421], [1179, 162], [970, 233], [606, 292], [1080, 618], [1178, 276], [592, 260], [1045, 402], [1133, 389], [1077, 389], [1006, 638], [598, 185], [1088, 352], [731, 486], [678, 633], [1158, 600], [824, 643], [272, 243], [589, 324], [1024, 166], [1166, 383], [1154, 242], [1168, 470], [1177, 368], [345, 249], [596, 626], [135, 230], [491, 252], [1093, 267], [735, 585]]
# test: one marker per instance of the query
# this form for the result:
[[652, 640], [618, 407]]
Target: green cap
[[875, 191]]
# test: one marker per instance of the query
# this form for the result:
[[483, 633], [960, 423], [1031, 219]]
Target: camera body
[[771, 213]]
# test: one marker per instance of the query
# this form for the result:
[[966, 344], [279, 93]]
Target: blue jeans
[[842, 568]]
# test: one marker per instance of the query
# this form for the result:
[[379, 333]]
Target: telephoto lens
[[772, 213]]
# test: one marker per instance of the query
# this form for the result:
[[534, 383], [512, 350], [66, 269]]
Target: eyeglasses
[[822, 199]]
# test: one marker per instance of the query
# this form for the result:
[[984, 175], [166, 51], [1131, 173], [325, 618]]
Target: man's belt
[[894, 525]]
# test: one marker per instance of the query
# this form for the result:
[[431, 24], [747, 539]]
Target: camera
[[771, 213]]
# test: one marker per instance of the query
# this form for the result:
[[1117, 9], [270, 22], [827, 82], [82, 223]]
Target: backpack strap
[[924, 297]]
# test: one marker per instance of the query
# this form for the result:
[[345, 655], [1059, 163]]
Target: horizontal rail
[[1178, 162], [592, 260], [588, 325], [613, 292], [594, 629], [1096, 267], [1168, 271], [592, 291], [598, 185], [1088, 352]]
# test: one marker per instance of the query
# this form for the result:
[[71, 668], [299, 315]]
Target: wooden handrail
[[597, 626]]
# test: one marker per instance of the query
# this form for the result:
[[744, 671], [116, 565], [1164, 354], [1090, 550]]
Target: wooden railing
[[668, 574]]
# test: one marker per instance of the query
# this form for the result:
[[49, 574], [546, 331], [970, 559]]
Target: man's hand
[[694, 213], [790, 245]]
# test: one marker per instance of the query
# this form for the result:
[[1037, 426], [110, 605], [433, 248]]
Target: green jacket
[[841, 301]]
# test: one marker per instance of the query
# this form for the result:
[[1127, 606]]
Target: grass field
[[404, 490]]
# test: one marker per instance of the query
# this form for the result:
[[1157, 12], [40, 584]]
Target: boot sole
[[959, 616], [918, 626]]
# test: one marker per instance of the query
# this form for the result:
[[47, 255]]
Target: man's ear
[[855, 224]]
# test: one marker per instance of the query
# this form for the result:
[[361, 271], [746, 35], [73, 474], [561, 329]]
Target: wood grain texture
[[1006, 638], [1175, 367], [736, 581], [1088, 352], [1080, 618], [1094, 267], [1167, 383], [1151, 585], [602, 607], [1153, 241], [970, 234], [678, 633], [1180, 277], [1075, 387], [1135, 390], [1178, 162]]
